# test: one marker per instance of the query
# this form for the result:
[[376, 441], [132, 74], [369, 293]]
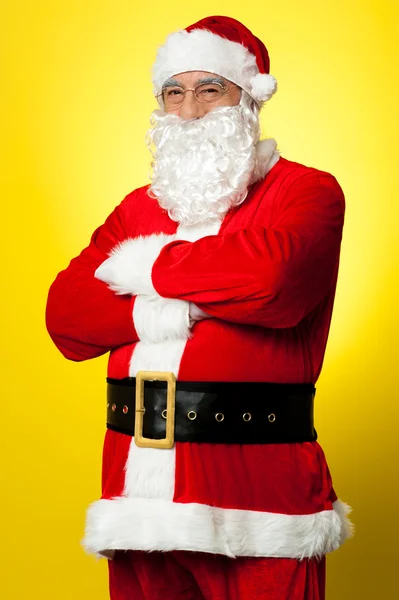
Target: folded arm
[[83, 316], [86, 318], [267, 276]]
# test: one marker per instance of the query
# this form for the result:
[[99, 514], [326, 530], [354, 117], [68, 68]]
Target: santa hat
[[219, 45]]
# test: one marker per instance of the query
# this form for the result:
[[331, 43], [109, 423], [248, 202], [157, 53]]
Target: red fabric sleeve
[[83, 316], [267, 276]]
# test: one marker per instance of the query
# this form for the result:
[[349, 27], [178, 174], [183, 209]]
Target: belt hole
[[164, 414], [192, 415], [113, 407], [125, 409], [247, 417], [219, 417], [271, 417]]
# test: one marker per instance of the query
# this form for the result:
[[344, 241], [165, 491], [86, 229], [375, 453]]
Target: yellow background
[[77, 98]]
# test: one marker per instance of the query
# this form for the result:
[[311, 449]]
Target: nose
[[191, 108]]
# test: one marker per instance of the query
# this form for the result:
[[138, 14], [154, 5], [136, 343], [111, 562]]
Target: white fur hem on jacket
[[143, 524]]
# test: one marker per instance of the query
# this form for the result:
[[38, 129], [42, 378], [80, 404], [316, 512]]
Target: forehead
[[190, 78]]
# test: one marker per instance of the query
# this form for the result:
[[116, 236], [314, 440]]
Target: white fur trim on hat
[[202, 50], [263, 86]]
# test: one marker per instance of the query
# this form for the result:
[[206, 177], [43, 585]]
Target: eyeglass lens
[[206, 92]]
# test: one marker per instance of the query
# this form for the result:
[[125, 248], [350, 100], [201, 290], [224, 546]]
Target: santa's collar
[[267, 155]]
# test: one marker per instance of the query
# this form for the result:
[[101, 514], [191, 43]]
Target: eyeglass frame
[[184, 90]]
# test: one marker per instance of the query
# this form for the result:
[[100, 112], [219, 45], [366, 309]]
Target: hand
[[196, 314]]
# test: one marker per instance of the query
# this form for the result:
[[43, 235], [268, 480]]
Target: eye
[[209, 92], [173, 91]]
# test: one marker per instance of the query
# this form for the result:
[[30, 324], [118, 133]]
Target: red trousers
[[195, 576]]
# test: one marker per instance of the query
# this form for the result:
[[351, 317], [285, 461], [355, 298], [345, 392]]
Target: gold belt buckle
[[169, 440]]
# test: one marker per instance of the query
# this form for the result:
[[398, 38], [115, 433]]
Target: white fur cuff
[[158, 319], [128, 269]]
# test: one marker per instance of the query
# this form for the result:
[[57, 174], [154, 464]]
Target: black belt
[[213, 412]]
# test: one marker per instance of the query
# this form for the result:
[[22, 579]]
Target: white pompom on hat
[[219, 45]]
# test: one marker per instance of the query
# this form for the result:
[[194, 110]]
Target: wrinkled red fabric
[[268, 280], [196, 576]]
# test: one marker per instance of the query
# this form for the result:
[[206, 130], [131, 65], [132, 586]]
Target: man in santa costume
[[213, 290]]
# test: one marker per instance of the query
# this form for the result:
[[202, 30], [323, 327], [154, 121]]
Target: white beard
[[202, 167]]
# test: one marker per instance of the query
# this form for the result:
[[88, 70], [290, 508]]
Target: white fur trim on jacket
[[150, 472], [266, 157], [128, 269], [158, 319], [202, 50], [143, 524]]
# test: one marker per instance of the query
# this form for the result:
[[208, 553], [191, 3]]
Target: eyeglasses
[[173, 96]]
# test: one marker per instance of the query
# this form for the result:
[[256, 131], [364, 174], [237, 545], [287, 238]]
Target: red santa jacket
[[267, 276]]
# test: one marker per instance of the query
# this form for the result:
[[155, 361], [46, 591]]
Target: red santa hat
[[218, 45]]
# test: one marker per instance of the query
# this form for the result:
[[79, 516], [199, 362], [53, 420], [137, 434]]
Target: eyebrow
[[173, 82], [211, 80]]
